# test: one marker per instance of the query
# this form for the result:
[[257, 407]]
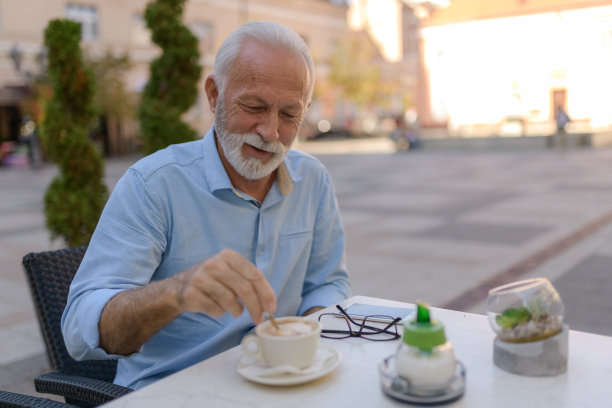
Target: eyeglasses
[[365, 329]]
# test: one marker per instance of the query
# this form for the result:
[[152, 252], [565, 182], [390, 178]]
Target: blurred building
[[394, 28], [118, 26], [501, 67], [471, 67]]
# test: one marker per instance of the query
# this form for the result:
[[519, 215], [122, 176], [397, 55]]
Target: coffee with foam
[[290, 327], [294, 343]]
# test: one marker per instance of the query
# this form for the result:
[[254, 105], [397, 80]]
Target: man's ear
[[212, 92]]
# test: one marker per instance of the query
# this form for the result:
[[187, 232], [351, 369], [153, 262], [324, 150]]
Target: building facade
[[502, 67], [118, 26]]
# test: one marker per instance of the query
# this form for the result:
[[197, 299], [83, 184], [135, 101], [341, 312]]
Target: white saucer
[[290, 379]]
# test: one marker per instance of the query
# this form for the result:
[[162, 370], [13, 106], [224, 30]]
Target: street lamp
[[16, 56], [41, 58]]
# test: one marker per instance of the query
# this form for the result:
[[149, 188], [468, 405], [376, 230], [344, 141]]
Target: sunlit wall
[[382, 21], [487, 72]]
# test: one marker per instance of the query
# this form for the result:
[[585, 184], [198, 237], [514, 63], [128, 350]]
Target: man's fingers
[[265, 295], [227, 282], [224, 296], [241, 265], [265, 298], [246, 290], [193, 301]]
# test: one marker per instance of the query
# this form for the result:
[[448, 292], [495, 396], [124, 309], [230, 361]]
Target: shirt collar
[[217, 177]]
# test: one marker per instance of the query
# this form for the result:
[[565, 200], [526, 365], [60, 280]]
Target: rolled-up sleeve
[[80, 325], [123, 253]]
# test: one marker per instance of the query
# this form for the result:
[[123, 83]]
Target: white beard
[[250, 168]]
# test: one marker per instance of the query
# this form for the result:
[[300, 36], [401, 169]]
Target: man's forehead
[[259, 98], [258, 63]]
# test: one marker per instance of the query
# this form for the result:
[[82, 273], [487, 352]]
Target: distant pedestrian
[[562, 119], [405, 135], [30, 138]]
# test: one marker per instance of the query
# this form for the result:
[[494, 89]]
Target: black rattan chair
[[82, 383], [13, 400]]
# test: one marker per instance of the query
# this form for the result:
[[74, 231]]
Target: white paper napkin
[[261, 369]]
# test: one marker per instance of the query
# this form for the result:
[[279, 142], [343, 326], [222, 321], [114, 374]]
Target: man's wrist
[[312, 310]]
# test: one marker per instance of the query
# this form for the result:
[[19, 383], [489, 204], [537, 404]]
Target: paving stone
[[19, 376], [585, 290], [477, 232]]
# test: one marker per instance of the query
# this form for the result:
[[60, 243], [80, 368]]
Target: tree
[[172, 86], [113, 101], [111, 97], [76, 197], [352, 71]]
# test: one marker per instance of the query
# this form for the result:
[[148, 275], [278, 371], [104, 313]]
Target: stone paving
[[438, 226]]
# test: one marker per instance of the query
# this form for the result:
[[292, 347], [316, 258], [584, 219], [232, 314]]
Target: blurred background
[[451, 69]]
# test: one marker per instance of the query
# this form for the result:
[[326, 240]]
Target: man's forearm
[[132, 317]]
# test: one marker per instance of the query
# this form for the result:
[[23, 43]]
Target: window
[[87, 16], [140, 32], [204, 33]]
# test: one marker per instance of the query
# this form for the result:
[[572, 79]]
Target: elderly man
[[199, 240]]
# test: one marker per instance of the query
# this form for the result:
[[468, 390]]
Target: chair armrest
[[75, 387], [13, 400]]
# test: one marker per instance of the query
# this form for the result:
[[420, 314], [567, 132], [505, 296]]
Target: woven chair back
[[49, 276]]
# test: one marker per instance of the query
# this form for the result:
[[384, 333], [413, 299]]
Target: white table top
[[355, 383]]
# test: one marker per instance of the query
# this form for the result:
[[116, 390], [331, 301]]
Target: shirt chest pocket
[[296, 234], [294, 248]]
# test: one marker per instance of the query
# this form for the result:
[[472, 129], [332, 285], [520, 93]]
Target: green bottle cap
[[422, 332]]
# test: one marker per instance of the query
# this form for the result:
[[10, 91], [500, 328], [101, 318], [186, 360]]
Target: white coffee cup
[[295, 343]]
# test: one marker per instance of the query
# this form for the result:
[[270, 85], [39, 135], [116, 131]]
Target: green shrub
[[76, 197], [172, 86]]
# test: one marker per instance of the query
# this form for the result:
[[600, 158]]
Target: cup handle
[[250, 342]]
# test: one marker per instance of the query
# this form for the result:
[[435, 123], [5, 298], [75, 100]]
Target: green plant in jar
[[528, 323]]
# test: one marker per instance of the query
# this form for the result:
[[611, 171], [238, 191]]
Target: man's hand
[[225, 282]]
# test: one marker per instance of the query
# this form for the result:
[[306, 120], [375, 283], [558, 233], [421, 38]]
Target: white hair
[[267, 33]]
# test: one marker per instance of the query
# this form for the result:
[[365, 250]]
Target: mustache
[[256, 141]]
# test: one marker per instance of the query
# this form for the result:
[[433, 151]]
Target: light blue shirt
[[178, 207]]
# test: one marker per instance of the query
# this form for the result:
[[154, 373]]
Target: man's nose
[[268, 126]]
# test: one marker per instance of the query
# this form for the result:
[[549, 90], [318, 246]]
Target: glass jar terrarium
[[527, 317], [528, 310]]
